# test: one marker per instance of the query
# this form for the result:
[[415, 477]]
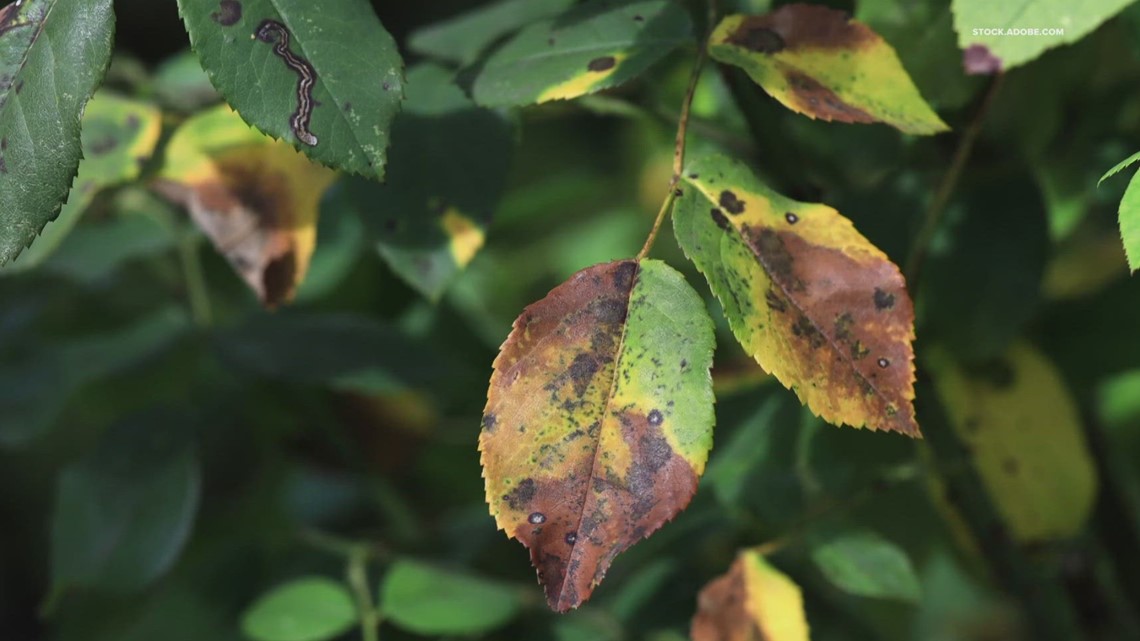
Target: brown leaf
[[753, 601]]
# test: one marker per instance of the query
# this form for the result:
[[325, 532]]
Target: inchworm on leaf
[[276, 34]]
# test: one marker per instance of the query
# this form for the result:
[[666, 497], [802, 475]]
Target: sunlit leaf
[[433, 601], [598, 420], [52, 57], [819, 62], [812, 300], [863, 563], [324, 76], [255, 198], [591, 47], [463, 37], [752, 601], [307, 609], [1024, 436], [1129, 212]]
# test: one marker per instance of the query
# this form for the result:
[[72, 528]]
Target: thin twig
[[946, 187]]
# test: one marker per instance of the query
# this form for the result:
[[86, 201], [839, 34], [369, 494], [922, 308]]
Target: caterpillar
[[275, 33]]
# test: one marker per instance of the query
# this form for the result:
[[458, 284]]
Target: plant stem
[[196, 291], [357, 574], [946, 188]]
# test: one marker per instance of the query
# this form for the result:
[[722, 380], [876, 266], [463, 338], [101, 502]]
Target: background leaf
[[428, 600], [866, 564], [462, 38], [307, 609], [753, 600]]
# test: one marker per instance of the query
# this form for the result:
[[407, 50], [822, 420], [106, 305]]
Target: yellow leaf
[[752, 602]]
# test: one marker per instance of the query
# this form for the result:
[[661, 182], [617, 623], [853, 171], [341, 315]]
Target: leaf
[[431, 601], [1120, 166], [865, 564], [182, 85], [118, 136], [52, 57], [813, 301], [598, 420], [256, 199], [753, 600], [1129, 212], [1023, 431], [821, 63], [998, 36], [462, 38], [449, 165], [307, 609], [593, 46], [124, 512], [331, 96]]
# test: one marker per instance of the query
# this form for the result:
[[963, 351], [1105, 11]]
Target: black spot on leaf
[[601, 64], [883, 300], [571, 538], [536, 518], [489, 421], [655, 417], [791, 218], [228, 13], [731, 203], [519, 497], [582, 371], [884, 362], [719, 219]]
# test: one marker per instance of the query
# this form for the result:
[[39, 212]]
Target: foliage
[[258, 264]]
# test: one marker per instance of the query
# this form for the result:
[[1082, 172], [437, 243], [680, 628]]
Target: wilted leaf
[[52, 56], [598, 420], [462, 38], [432, 601], [325, 76], [819, 62], [449, 164], [255, 198], [1129, 212], [998, 36], [308, 609], [123, 513], [812, 300], [591, 47], [865, 564], [752, 602], [1024, 435], [118, 136]]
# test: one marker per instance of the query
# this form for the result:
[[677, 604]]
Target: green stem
[[196, 290], [357, 575]]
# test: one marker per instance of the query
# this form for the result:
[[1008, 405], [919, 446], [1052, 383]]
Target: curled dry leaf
[[599, 419], [812, 300], [254, 197], [753, 601]]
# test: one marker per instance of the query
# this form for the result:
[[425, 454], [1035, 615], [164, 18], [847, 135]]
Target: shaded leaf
[[1025, 438], [449, 164], [594, 46], [256, 199], [993, 34], [52, 57], [124, 512], [812, 300], [274, 63], [752, 601], [181, 84], [433, 601], [307, 609], [1129, 212], [462, 38], [865, 564], [598, 420], [118, 136], [821, 63]]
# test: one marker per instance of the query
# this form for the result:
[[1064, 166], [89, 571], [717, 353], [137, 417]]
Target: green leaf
[[53, 55], [432, 601], [124, 512], [865, 564], [462, 38], [988, 31], [449, 165], [1130, 222], [594, 46], [273, 72], [118, 136], [818, 62], [182, 85], [1120, 166], [307, 609]]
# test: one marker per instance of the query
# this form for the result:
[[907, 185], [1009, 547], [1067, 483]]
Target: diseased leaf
[[462, 38], [324, 76], [255, 198], [812, 300], [598, 420], [53, 54], [998, 36], [594, 46], [1024, 435], [865, 564], [118, 136], [432, 601], [449, 165], [307, 609], [1129, 212], [821, 63], [753, 601]]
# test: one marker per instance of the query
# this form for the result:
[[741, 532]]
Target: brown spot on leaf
[[801, 26], [775, 303], [3, 166], [820, 102], [489, 421], [102, 146], [522, 495], [602, 63], [279, 279], [1010, 466], [228, 13], [3, 144], [883, 300], [757, 38], [731, 203]]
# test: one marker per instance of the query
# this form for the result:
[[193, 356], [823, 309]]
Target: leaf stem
[[357, 574], [946, 188], [196, 291]]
